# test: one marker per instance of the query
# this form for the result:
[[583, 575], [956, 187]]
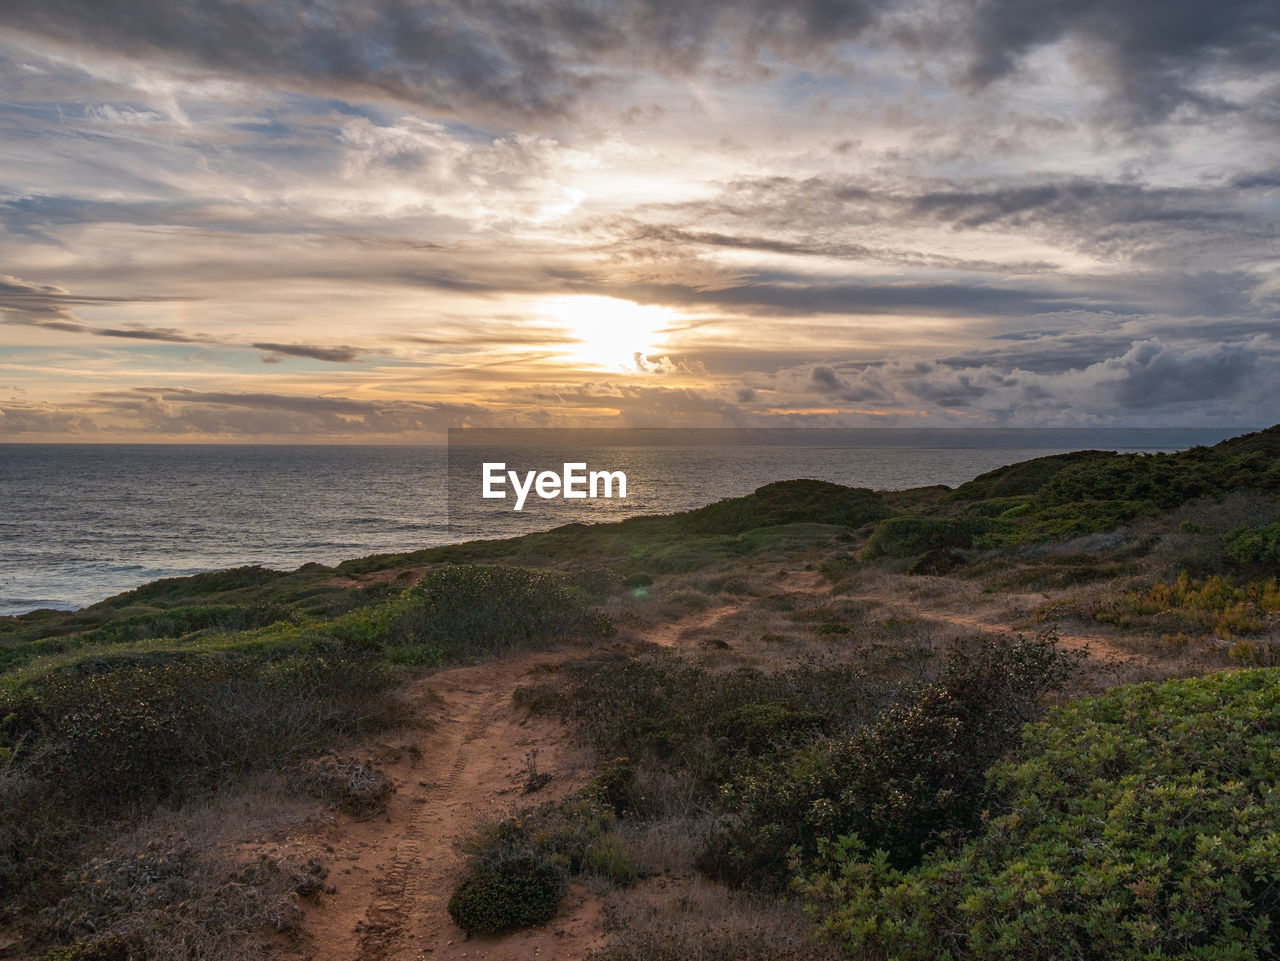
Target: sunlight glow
[[608, 332]]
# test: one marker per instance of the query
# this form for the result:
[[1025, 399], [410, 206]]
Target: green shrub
[[109, 947], [756, 728], [461, 611], [177, 621], [998, 507], [615, 786], [559, 832], [1141, 824], [514, 892], [787, 502], [1026, 477], [609, 857], [937, 562], [1254, 545], [37, 839], [904, 783], [663, 713], [1088, 492], [909, 536]]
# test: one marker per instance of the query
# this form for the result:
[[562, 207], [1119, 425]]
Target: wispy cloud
[[384, 218]]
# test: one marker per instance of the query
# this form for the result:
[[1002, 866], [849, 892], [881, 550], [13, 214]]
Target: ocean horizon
[[82, 522]]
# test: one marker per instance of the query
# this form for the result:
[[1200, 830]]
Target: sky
[[353, 221]]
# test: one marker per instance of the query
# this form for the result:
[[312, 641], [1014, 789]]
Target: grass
[[698, 921], [1213, 606]]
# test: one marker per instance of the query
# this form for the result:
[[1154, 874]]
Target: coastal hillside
[[1033, 716]]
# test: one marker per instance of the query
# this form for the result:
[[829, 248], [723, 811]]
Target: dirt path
[[1097, 645], [394, 874], [678, 632]]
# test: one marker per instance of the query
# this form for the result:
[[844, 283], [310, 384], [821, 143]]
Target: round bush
[[516, 892]]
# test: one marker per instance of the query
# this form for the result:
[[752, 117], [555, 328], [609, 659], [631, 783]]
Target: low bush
[[786, 502], [1139, 824], [576, 835], [937, 562], [702, 922], [910, 536], [660, 711], [89, 748], [513, 892], [463, 611], [167, 900], [350, 785], [905, 783], [518, 867], [140, 736], [1254, 545]]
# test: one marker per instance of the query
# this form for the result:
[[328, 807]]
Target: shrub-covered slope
[[1141, 824]]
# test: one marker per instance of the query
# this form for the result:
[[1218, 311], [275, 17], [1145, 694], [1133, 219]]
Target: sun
[[608, 332]]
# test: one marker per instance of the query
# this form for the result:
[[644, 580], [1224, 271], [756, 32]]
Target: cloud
[[873, 208], [17, 420], [184, 411], [832, 215], [47, 305], [1150, 375], [1152, 57], [1183, 385], [542, 58], [666, 239], [665, 365], [797, 294], [337, 355]]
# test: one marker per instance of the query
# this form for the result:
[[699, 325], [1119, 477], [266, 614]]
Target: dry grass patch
[[694, 920]]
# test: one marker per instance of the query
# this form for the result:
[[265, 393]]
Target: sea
[[81, 522]]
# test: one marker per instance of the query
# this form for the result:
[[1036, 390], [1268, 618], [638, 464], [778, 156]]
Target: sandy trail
[[1095, 644], [394, 874], [677, 633]]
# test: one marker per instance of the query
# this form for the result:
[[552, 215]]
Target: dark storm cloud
[[541, 57], [824, 379], [1152, 375], [1152, 53]]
